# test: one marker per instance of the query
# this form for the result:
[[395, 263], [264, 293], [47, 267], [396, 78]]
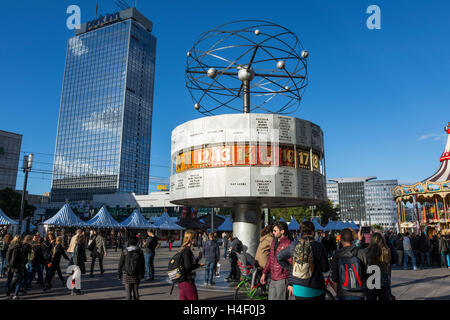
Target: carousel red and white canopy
[[443, 174]]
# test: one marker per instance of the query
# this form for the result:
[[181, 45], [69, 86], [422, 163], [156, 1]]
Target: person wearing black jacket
[[149, 255], [186, 286], [15, 267], [133, 254], [425, 249], [36, 263], [314, 287], [5, 241], [398, 246], [26, 249], [211, 252], [55, 260]]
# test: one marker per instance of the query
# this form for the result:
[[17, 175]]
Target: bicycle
[[245, 289], [329, 284]]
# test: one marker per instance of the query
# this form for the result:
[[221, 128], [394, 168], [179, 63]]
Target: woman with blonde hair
[[378, 253], [53, 265], [186, 285]]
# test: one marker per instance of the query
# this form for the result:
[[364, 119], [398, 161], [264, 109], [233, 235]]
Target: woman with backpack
[[5, 241], [309, 262], [15, 267], [186, 284], [379, 254], [132, 267], [53, 266]]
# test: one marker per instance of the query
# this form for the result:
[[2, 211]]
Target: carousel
[[430, 198]]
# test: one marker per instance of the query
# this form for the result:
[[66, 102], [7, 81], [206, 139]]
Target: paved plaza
[[428, 284]]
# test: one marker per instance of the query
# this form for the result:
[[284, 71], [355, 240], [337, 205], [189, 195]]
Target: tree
[[324, 210], [10, 201], [377, 227]]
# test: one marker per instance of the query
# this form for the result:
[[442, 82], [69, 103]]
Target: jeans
[[35, 268], [225, 249], [16, 284], [149, 268], [406, 254], [187, 290], [209, 271], [424, 255]]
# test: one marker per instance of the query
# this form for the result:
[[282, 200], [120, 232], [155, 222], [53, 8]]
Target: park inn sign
[[102, 20]]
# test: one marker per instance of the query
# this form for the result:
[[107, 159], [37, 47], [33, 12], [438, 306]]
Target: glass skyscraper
[[105, 119], [360, 199]]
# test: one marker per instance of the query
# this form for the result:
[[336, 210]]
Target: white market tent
[[65, 217], [5, 220], [293, 225], [137, 221], [103, 219], [227, 225], [166, 223]]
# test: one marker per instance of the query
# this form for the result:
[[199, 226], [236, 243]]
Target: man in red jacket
[[278, 276]]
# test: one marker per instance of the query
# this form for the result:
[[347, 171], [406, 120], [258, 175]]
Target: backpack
[[303, 260], [175, 269], [350, 274], [132, 263]]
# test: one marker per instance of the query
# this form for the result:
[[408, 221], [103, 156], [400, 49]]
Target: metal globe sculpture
[[247, 66]]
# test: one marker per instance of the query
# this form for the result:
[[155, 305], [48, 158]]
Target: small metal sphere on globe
[[280, 64], [246, 74], [305, 54], [212, 73], [257, 32], [287, 88], [197, 106], [189, 54]]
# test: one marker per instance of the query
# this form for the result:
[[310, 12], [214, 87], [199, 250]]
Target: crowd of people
[[286, 263]]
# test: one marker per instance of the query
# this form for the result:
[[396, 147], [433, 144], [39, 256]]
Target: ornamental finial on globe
[[249, 66]]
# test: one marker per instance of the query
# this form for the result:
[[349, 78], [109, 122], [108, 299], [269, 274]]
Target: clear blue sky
[[382, 97]]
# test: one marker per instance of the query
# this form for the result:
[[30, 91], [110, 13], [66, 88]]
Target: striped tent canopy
[[293, 224], [103, 219], [227, 225], [166, 223], [354, 225], [5, 220], [330, 226], [443, 173], [137, 221], [282, 219], [317, 226], [340, 225], [65, 217]]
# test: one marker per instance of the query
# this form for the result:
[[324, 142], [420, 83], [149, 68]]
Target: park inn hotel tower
[[105, 118]]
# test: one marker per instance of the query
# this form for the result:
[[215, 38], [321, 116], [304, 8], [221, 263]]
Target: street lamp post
[[27, 164]]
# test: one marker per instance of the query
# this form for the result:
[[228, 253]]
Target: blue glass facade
[[104, 130]]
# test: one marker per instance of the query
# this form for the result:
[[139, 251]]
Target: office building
[[363, 200], [10, 144], [105, 119]]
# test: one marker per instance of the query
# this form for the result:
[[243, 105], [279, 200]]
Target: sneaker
[[15, 298], [415, 268]]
